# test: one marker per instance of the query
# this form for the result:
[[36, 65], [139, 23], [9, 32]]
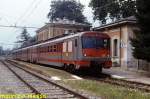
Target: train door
[[60, 49], [70, 50], [75, 48], [38, 54], [64, 52], [27, 56]]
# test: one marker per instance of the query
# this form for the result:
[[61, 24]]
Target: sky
[[27, 13]]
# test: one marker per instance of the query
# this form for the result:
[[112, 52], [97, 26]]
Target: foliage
[[1, 50], [24, 37], [68, 9], [141, 42], [33, 39], [106, 91], [115, 8]]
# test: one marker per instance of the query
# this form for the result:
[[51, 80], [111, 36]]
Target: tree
[[24, 37], [33, 39], [141, 41], [115, 8], [68, 9], [1, 50]]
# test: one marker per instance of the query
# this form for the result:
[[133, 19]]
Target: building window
[[66, 32], [115, 47]]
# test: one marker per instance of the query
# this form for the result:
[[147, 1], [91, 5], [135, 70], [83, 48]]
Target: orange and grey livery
[[85, 50]]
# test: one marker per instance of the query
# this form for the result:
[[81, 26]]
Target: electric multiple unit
[[85, 50]]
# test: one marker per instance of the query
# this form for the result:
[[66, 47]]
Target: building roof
[[64, 24], [128, 20]]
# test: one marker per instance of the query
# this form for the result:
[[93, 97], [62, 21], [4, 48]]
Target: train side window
[[55, 48], [43, 49], [59, 47], [76, 43], [49, 49], [70, 46], [65, 47], [39, 49]]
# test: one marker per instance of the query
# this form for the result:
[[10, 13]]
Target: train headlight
[[85, 55]]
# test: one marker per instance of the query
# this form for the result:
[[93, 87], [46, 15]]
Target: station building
[[120, 32], [60, 28], [121, 49]]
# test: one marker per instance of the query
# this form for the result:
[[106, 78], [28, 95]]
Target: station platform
[[130, 75]]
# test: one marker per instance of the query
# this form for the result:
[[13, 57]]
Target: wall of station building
[[48, 32], [121, 48]]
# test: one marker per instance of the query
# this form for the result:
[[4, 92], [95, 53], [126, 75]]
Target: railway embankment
[[129, 75], [102, 89]]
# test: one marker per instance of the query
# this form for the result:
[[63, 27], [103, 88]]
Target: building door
[[115, 50]]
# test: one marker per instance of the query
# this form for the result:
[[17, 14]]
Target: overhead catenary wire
[[30, 12], [14, 26], [24, 14], [1, 43], [36, 11], [20, 18]]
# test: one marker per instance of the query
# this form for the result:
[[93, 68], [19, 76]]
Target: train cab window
[[95, 42], [70, 46], [64, 47]]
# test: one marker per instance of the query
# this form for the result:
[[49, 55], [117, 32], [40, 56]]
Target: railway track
[[105, 78], [41, 85], [122, 83]]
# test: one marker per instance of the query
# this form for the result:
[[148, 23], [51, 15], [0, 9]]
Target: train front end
[[96, 50]]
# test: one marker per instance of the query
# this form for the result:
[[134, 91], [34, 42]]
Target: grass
[[107, 91]]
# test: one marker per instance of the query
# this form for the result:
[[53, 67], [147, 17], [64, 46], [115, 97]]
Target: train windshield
[[95, 42]]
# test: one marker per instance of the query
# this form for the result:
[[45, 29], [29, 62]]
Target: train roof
[[60, 39]]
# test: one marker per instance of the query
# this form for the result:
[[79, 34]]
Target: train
[[85, 50]]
